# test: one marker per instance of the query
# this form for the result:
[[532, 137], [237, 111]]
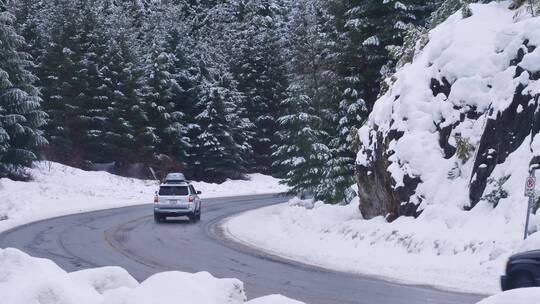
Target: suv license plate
[[173, 202]]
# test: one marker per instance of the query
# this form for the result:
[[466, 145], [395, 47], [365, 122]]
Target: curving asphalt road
[[128, 237]]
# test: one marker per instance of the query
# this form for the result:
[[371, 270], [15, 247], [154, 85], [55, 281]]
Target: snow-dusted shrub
[[463, 148], [498, 192], [466, 11]]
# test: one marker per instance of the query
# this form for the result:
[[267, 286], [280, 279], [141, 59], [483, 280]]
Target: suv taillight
[[156, 199], [191, 199]]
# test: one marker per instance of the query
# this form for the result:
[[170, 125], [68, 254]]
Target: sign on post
[[530, 184]]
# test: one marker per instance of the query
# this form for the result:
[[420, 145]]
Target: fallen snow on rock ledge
[[24, 279], [59, 190]]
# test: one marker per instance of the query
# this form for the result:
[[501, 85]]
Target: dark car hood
[[533, 254]]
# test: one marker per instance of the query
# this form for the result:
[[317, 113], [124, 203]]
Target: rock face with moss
[[455, 127]]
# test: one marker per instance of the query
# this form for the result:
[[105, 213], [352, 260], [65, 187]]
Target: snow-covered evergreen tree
[[56, 71], [165, 96], [71, 72], [164, 120], [301, 155], [216, 151], [20, 114], [92, 90], [124, 133], [259, 66], [125, 80], [446, 9]]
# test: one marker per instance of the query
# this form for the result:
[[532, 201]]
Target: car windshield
[[173, 190]]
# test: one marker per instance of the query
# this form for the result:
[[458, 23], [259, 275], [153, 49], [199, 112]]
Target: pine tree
[[28, 24], [350, 88], [217, 153], [415, 35], [161, 108], [20, 114], [301, 154], [164, 95], [260, 69], [58, 87], [93, 95], [215, 48], [446, 9], [124, 131]]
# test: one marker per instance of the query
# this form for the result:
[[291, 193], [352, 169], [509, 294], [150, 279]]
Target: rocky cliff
[[455, 127]]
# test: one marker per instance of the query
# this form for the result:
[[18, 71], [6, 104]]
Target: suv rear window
[[173, 190]]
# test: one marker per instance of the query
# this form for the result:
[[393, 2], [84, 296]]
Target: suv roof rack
[[175, 178], [176, 182], [175, 175]]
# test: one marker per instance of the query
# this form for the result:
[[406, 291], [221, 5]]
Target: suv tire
[[158, 218]]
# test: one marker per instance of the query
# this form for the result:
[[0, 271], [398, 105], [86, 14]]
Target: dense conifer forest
[[215, 88]]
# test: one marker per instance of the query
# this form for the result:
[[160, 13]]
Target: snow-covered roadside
[[449, 249], [518, 296], [24, 279], [59, 190]]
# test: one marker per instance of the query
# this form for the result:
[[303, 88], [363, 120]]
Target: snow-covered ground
[[519, 296], [445, 246], [25, 280], [457, 251], [454, 251], [60, 190]]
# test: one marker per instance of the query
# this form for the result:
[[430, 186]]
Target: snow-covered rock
[[58, 190], [24, 280], [456, 123]]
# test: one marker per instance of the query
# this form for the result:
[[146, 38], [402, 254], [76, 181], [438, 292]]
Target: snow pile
[[452, 252], [59, 190], [24, 279], [518, 296]]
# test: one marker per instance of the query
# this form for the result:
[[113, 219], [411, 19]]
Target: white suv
[[177, 197]]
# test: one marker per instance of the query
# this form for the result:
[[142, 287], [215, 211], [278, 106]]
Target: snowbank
[[475, 75], [24, 279], [59, 190], [444, 252], [518, 296]]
